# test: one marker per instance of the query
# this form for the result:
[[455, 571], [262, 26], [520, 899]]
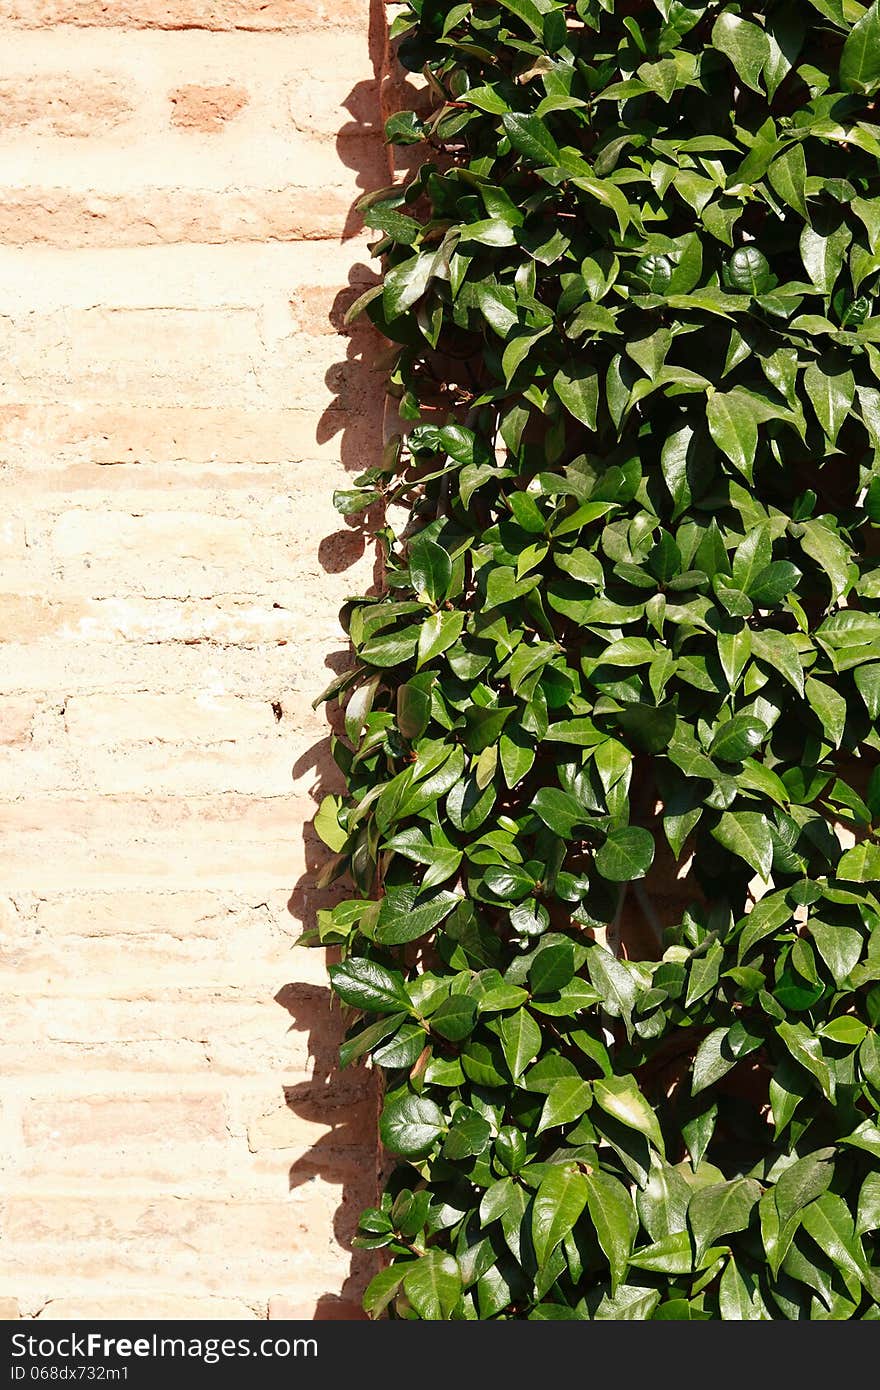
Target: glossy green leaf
[[367, 985], [411, 1125], [433, 1285], [860, 60], [558, 1203], [620, 1097], [627, 854], [746, 834]]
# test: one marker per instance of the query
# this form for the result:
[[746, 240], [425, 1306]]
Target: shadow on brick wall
[[348, 1154]]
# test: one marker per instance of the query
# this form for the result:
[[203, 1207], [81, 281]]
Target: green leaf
[[455, 1018], [671, 1255], [713, 1060], [620, 1097], [517, 757], [483, 726], [552, 968], [558, 1203], [410, 1125], [627, 854], [829, 1222], [774, 583], [831, 393], [413, 708], [868, 1218], [327, 824], [737, 1295], [839, 947], [488, 231], [867, 679], [406, 914], [614, 982], [569, 1099], [430, 569], [830, 707], [860, 60], [749, 271], [780, 653], [369, 986], [528, 12], [734, 428], [382, 1288], [437, 634], [738, 738], [788, 178], [559, 811], [747, 835], [614, 1219], [391, 649], [806, 1050], [577, 386], [469, 1135], [828, 550], [520, 1041], [721, 1209], [860, 865], [822, 248], [433, 1285], [744, 44], [529, 136]]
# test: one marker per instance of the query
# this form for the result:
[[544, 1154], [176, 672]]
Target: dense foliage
[[632, 611]]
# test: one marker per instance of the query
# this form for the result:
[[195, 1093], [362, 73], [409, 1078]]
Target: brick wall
[[176, 178]]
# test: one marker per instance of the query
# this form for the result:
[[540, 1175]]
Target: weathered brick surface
[[177, 249], [267, 15]]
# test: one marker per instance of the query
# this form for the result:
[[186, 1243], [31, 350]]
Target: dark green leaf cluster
[[629, 648]]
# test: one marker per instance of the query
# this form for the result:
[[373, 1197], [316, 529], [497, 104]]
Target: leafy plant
[[630, 639]]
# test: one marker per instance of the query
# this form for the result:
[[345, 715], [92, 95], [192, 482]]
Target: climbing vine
[[624, 677]]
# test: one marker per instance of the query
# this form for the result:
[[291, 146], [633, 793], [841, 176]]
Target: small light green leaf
[[327, 824]]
